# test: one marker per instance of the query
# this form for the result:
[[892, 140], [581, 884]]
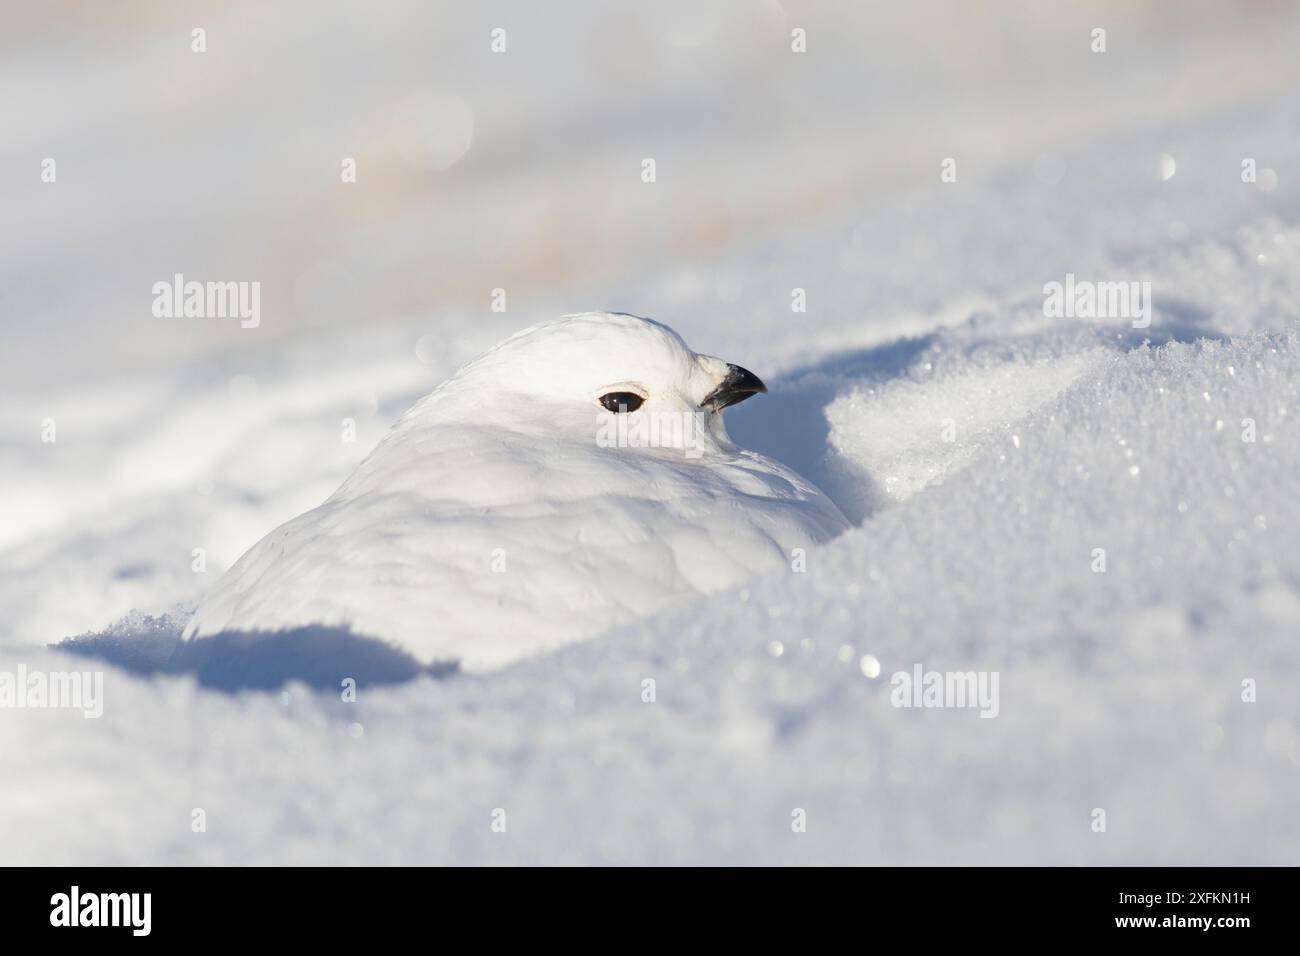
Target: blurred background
[[521, 170]]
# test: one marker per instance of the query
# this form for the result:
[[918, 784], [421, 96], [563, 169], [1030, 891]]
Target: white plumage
[[494, 521]]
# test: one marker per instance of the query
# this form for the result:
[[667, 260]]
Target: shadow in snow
[[318, 656], [789, 424]]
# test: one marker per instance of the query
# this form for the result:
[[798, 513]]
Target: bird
[[575, 477]]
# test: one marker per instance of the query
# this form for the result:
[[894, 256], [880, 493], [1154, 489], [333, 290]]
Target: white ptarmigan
[[576, 476]]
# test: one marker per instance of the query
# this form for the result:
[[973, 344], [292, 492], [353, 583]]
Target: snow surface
[[1119, 690]]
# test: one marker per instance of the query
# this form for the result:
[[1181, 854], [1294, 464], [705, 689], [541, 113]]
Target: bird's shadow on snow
[[790, 425], [318, 656]]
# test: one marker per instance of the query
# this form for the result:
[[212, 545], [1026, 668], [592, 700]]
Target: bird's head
[[616, 379]]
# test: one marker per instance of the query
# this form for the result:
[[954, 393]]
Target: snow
[[1120, 690]]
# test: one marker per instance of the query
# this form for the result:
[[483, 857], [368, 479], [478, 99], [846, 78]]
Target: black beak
[[739, 384]]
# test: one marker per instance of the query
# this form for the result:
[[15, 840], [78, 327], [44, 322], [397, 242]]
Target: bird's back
[[479, 548]]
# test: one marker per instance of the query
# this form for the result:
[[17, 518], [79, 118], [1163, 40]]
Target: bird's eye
[[621, 401]]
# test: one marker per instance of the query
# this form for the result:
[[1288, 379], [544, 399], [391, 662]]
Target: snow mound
[[906, 434]]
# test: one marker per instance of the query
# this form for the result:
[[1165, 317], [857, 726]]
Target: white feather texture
[[495, 521]]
